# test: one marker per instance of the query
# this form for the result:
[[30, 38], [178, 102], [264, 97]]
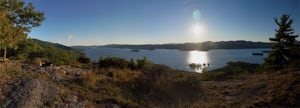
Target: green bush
[[26, 49], [142, 62], [30, 49], [121, 63], [132, 65], [59, 56], [114, 62], [230, 71], [84, 60]]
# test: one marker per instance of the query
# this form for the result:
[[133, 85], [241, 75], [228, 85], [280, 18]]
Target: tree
[[142, 62], [16, 22], [30, 49], [283, 53], [10, 35]]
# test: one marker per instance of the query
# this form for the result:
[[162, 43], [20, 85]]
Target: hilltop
[[25, 85], [75, 82], [57, 45]]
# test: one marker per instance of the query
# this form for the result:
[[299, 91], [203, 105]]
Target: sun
[[197, 29]]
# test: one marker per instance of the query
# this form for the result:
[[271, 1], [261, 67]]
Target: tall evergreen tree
[[283, 53], [17, 19]]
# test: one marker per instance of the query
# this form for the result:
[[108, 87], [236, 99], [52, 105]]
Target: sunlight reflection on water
[[199, 58], [180, 60]]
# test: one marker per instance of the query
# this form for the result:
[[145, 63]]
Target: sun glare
[[197, 29], [200, 58]]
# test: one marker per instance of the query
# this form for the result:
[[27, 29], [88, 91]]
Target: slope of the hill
[[28, 85]]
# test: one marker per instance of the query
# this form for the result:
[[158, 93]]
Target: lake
[[180, 60]]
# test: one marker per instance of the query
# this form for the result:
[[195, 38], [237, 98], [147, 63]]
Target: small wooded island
[[35, 73]]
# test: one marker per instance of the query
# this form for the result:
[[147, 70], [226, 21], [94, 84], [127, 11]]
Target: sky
[[100, 22]]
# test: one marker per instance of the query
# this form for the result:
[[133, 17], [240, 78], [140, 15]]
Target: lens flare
[[196, 15]]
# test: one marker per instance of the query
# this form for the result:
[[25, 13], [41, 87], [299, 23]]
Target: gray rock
[[32, 93], [57, 76]]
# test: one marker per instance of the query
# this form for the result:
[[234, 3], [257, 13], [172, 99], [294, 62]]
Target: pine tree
[[283, 53], [16, 21]]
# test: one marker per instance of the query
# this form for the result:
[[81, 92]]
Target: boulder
[[32, 93]]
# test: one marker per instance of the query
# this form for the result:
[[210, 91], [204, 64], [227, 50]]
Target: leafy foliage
[[83, 59], [21, 15], [30, 49], [16, 20], [140, 63], [113, 62], [121, 63], [58, 56]]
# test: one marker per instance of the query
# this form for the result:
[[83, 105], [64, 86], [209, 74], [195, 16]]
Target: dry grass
[[88, 79], [122, 75], [159, 86], [270, 89]]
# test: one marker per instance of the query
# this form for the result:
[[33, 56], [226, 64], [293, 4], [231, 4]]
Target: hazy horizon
[[102, 22], [160, 43]]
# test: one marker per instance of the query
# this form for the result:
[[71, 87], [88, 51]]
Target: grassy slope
[[256, 90], [153, 86]]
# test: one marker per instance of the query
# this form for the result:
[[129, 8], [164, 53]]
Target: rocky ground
[[28, 85]]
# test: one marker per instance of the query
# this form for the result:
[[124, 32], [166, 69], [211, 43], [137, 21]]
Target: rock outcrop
[[32, 93]]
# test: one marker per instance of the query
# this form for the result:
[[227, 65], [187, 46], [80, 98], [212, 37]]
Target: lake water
[[180, 60]]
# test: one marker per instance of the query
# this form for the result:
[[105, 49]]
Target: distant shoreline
[[204, 46]]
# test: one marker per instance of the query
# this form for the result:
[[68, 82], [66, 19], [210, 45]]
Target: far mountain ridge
[[204, 46]]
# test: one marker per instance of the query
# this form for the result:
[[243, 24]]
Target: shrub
[[88, 79], [142, 62], [26, 49], [121, 63], [158, 85], [84, 60], [132, 65], [114, 62], [231, 70], [59, 56]]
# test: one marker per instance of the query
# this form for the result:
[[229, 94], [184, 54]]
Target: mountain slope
[[45, 44]]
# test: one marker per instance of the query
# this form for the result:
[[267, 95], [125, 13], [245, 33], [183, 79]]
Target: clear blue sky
[[99, 22]]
